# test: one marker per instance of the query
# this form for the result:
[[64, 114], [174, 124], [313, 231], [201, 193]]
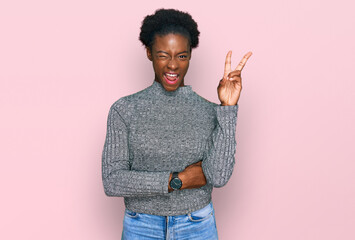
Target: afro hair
[[165, 21]]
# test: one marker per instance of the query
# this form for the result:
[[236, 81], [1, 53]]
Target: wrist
[[175, 183], [169, 188], [182, 177], [224, 104]]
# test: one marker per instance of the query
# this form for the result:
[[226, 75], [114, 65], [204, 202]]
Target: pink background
[[63, 63]]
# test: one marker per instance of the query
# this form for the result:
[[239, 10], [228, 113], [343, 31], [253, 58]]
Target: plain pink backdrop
[[63, 63]]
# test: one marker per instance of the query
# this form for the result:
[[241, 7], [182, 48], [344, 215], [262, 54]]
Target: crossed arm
[[215, 167]]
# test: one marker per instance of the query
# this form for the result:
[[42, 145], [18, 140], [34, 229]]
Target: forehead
[[171, 42]]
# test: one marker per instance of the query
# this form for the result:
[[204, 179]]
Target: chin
[[171, 88]]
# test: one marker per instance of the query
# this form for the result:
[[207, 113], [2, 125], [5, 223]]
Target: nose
[[173, 64]]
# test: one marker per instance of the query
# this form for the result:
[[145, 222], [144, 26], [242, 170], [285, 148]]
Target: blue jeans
[[200, 224]]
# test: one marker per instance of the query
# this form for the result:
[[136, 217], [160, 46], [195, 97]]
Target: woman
[[167, 147]]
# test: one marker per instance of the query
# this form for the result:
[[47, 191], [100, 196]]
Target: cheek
[[158, 66], [186, 66]]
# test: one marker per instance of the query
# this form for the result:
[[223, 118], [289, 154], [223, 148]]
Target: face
[[171, 56]]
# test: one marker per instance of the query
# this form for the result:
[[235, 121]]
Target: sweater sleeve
[[219, 159], [118, 179]]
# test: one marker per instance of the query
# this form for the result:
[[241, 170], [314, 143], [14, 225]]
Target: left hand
[[191, 177], [230, 86]]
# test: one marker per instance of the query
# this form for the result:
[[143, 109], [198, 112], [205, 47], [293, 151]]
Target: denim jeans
[[200, 224]]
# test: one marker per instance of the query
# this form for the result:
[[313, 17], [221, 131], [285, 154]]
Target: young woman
[[167, 147]]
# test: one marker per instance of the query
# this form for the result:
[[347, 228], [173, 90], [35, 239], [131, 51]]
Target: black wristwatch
[[175, 182]]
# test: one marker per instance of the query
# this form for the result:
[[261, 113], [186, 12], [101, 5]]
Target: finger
[[235, 78], [244, 61], [234, 73], [227, 66]]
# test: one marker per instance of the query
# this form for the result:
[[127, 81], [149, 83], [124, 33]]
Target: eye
[[162, 56], [183, 56]]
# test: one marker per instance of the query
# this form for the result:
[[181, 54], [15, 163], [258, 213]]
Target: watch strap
[[175, 175]]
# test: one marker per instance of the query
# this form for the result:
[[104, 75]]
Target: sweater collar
[[159, 89]]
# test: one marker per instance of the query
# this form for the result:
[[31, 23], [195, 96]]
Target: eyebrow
[[168, 53]]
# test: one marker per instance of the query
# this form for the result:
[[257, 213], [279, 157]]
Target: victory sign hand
[[230, 86]]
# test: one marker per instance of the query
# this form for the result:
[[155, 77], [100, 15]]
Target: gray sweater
[[154, 132]]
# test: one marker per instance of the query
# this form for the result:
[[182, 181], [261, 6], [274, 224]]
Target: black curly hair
[[165, 21]]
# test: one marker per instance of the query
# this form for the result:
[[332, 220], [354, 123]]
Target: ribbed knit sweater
[[154, 132]]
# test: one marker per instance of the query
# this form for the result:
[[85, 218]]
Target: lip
[[171, 82]]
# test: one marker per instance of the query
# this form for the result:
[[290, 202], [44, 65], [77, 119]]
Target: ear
[[149, 54]]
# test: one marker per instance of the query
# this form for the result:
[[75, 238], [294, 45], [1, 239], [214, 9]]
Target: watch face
[[175, 183]]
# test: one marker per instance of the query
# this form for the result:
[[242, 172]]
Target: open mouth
[[171, 78]]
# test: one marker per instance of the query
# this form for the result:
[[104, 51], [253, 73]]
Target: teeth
[[171, 75]]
